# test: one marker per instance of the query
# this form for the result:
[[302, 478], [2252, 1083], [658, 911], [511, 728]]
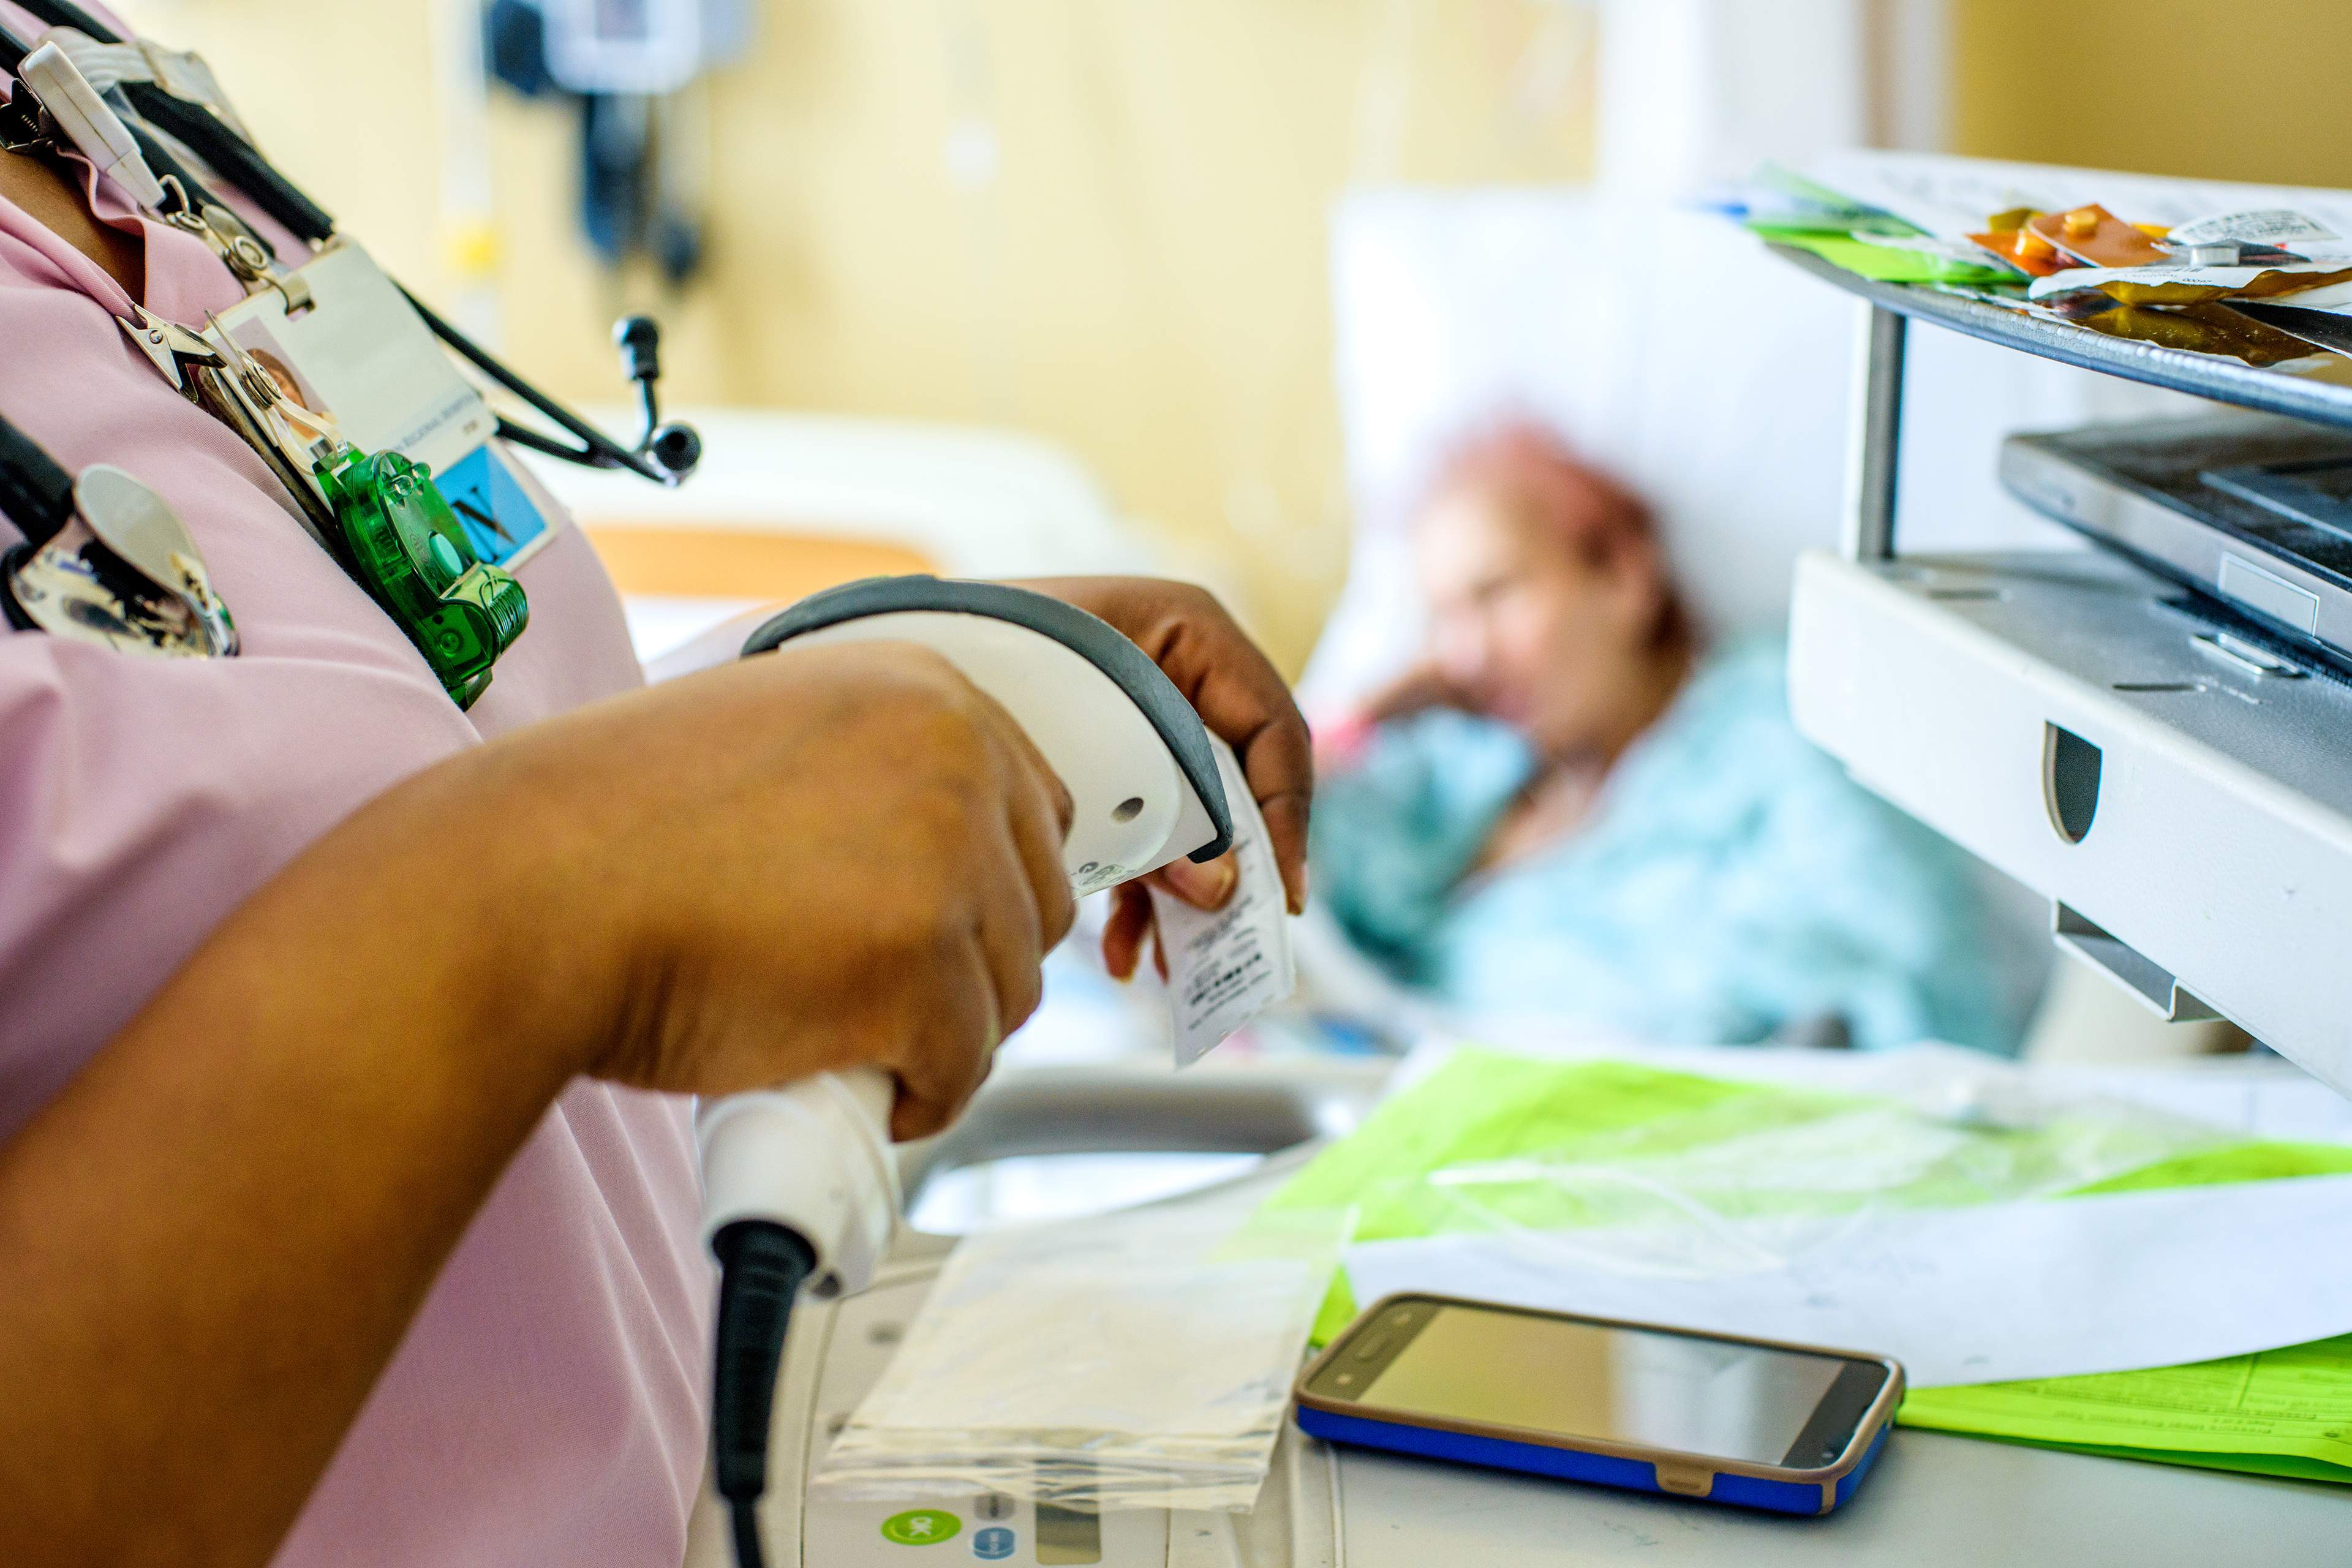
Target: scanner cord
[[761, 1266]]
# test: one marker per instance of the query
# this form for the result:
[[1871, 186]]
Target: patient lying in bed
[[1576, 805]]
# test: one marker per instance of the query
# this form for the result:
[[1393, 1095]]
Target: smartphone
[[1793, 1428]]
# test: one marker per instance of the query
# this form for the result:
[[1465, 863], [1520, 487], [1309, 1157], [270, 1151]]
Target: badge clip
[[76, 114], [75, 111], [172, 347]]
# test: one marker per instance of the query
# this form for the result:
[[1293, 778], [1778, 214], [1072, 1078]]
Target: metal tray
[[2299, 394]]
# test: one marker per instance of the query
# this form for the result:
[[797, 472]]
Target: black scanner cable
[[667, 454]]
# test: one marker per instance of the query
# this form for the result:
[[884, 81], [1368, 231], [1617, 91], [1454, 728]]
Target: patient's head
[[1550, 605]]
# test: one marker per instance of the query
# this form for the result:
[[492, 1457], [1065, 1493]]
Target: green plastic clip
[[407, 548]]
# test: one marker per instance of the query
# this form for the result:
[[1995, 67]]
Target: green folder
[[2280, 1413]]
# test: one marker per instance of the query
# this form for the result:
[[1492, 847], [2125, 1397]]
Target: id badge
[[502, 524], [361, 355]]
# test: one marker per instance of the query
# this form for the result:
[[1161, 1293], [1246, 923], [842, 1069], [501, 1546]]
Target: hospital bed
[[1714, 379], [787, 503]]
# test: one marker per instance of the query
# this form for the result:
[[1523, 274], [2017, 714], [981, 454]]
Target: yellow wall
[[2214, 88], [1142, 282]]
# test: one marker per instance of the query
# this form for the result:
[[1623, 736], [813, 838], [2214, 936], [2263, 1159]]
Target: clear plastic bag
[[1135, 1360], [1756, 1181]]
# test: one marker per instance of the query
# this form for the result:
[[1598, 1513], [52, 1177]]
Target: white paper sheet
[[2260, 1098], [2053, 1288], [1953, 196]]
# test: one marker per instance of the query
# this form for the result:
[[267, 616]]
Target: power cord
[[761, 1266]]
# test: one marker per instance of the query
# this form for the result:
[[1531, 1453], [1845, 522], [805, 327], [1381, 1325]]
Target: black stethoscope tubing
[[35, 493], [252, 176]]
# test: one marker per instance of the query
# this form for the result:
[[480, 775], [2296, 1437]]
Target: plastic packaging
[[1754, 1182], [1136, 1360]]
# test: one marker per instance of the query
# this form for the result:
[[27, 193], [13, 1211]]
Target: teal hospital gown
[[1729, 883]]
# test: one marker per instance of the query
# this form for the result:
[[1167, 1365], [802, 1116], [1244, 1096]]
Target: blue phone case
[[1575, 1465]]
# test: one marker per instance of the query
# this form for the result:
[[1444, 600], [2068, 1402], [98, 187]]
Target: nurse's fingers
[[1038, 811], [1204, 885], [1011, 934], [955, 1035], [1232, 685], [1279, 761], [1126, 931]]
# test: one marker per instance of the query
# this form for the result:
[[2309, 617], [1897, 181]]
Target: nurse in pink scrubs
[[347, 1195]]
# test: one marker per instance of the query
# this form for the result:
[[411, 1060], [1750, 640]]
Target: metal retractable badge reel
[[404, 545], [105, 560]]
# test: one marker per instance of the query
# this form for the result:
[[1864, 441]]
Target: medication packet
[[1227, 966]]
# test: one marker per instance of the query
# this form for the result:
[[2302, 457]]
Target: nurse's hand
[[844, 857], [1241, 697]]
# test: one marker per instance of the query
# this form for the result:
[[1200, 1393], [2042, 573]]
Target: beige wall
[[1142, 280], [2213, 88]]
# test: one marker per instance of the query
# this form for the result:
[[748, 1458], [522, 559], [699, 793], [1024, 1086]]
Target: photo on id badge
[[362, 357]]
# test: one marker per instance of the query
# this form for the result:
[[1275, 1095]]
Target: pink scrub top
[[547, 1404]]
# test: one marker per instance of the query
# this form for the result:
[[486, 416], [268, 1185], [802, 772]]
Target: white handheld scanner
[[1125, 742], [814, 1157]]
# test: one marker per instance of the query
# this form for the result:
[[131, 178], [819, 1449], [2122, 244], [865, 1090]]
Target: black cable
[[230, 155], [160, 159], [596, 450], [36, 494], [236, 161], [749, 1553], [761, 1266], [197, 129], [66, 14]]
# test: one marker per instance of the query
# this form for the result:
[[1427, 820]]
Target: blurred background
[[1081, 254]]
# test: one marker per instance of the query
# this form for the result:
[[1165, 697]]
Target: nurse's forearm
[[213, 1239]]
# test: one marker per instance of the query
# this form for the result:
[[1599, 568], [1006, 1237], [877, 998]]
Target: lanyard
[[666, 454]]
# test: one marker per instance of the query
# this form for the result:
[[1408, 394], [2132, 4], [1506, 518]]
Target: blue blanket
[[1729, 883]]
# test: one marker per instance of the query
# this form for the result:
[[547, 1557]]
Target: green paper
[[2253, 1161], [1482, 1105], [1883, 263], [1339, 1309], [2284, 1412], [1803, 205], [2244, 1464]]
